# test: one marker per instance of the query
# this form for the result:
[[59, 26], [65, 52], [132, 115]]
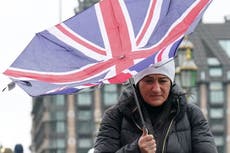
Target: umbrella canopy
[[107, 43]]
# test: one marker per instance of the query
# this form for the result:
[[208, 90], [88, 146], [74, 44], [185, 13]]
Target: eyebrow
[[159, 77]]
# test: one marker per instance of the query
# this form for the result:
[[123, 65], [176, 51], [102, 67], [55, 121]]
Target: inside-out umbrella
[[106, 43]]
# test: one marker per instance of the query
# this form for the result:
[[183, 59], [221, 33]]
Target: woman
[[174, 126]]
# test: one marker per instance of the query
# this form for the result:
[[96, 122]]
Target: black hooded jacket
[[180, 128]]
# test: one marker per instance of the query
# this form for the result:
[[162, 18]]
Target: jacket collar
[[128, 106]]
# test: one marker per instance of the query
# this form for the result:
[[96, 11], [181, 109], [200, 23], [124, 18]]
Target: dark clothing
[[177, 126], [18, 148]]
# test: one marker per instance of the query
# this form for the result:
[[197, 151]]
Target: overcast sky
[[20, 20]]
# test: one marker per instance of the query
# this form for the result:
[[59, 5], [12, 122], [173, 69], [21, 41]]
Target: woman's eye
[[149, 80], [163, 81], [158, 80]]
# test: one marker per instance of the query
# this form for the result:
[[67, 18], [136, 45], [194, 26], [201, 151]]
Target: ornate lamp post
[[186, 72]]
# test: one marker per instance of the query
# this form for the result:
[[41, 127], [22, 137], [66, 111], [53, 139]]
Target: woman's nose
[[156, 86]]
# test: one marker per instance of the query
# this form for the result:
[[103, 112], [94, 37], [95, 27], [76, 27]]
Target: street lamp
[[187, 70]]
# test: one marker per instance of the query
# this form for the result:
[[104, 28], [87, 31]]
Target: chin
[[156, 102]]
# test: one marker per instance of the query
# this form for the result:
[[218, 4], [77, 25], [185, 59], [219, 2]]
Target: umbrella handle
[[145, 131]]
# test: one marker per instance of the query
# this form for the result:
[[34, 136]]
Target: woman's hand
[[147, 143]]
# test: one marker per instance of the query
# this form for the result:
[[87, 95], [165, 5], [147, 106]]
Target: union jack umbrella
[[107, 43]]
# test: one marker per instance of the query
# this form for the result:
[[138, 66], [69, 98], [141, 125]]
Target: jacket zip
[[164, 142], [163, 148], [170, 125]]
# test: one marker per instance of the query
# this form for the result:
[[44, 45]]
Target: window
[[219, 140], [217, 127], [60, 151], [38, 99], [85, 115], [84, 98], [217, 97], [60, 143], [85, 127], [57, 115], [60, 100], [215, 71], [225, 44], [110, 94], [216, 113], [60, 115], [57, 143], [215, 86], [84, 119], [57, 127], [216, 93], [85, 143], [60, 127], [214, 67], [213, 61]]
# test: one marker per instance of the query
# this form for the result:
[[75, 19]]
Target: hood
[[128, 106]]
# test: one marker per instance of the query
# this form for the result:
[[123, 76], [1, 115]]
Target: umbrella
[[106, 43]]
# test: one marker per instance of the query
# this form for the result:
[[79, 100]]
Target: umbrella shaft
[[131, 81]]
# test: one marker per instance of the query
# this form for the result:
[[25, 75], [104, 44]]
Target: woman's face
[[155, 89]]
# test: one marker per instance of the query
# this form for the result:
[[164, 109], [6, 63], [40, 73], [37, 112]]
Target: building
[[207, 76], [212, 57], [68, 123]]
